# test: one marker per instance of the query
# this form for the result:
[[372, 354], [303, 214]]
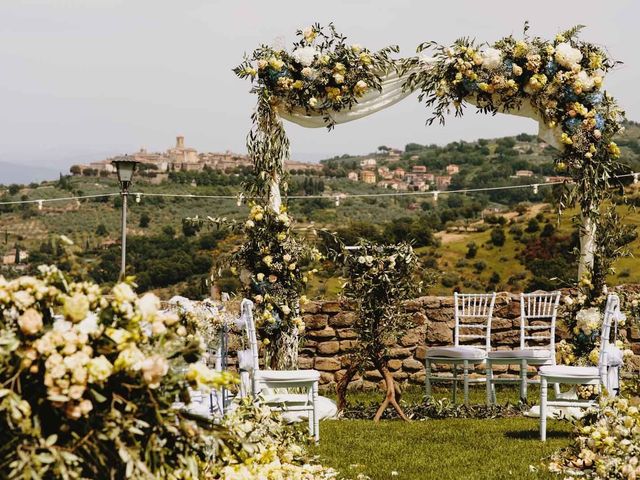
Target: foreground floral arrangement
[[88, 384], [606, 446]]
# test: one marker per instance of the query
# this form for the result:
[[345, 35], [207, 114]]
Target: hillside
[[169, 256]]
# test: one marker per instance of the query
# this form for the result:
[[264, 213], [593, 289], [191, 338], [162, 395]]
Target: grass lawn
[[439, 449], [455, 448]]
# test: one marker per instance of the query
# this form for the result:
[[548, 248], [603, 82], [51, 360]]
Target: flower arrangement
[[261, 446], [582, 316], [272, 266], [88, 382], [379, 279], [606, 444], [322, 73], [562, 81]]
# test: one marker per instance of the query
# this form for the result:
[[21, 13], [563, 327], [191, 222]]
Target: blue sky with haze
[[84, 79]]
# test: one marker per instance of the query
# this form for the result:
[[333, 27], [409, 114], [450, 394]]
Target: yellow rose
[[76, 307], [99, 369], [614, 150], [276, 63], [118, 335]]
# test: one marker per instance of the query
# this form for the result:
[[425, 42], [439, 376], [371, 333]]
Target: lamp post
[[125, 167]]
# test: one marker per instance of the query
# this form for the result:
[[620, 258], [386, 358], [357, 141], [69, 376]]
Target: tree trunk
[[343, 384], [391, 391], [587, 245]]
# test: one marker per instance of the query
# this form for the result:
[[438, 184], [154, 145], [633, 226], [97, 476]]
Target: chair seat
[[522, 354], [287, 375], [463, 352], [288, 402], [568, 371]]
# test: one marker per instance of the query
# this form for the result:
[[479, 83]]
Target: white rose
[[148, 305], [491, 58], [567, 56], [309, 73], [305, 55], [89, 325], [585, 81]]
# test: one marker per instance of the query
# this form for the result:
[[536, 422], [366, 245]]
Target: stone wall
[[330, 336]]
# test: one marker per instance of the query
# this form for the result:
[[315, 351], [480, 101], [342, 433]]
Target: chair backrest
[[246, 314], [538, 312], [611, 315], [473, 312]]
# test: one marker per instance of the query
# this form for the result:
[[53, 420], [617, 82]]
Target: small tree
[[101, 230], [472, 250], [145, 219], [498, 237], [379, 279]]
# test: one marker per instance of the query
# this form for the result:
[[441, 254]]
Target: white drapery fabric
[[371, 102], [392, 92]]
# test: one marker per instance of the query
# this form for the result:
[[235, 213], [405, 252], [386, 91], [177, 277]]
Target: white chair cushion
[[463, 352], [327, 408], [522, 354], [287, 375], [568, 371]]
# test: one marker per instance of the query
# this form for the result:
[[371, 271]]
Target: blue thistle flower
[[599, 121], [572, 124], [551, 68], [594, 98]]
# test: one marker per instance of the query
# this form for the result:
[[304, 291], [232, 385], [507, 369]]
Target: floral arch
[[324, 81]]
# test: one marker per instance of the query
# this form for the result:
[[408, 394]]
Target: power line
[[338, 197]]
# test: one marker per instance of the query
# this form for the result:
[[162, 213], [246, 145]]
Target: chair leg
[[316, 419], [311, 412], [543, 409], [556, 389], [523, 381], [427, 379], [465, 380], [455, 382], [489, 376]]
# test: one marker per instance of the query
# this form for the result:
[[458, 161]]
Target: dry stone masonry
[[330, 337]]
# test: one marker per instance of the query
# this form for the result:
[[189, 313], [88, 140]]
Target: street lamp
[[125, 167]]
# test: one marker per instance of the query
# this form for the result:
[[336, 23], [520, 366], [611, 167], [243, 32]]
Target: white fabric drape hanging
[[371, 102], [392, 92]]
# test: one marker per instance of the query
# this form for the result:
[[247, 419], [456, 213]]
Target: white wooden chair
[[473, 313], [573, 375], [263, 381], [538, 312]]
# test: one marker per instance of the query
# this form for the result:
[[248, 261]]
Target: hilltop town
[[156, 166]]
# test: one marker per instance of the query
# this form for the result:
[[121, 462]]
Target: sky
[[81, 80]]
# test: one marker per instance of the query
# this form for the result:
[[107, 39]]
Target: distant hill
[[24, 174]]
